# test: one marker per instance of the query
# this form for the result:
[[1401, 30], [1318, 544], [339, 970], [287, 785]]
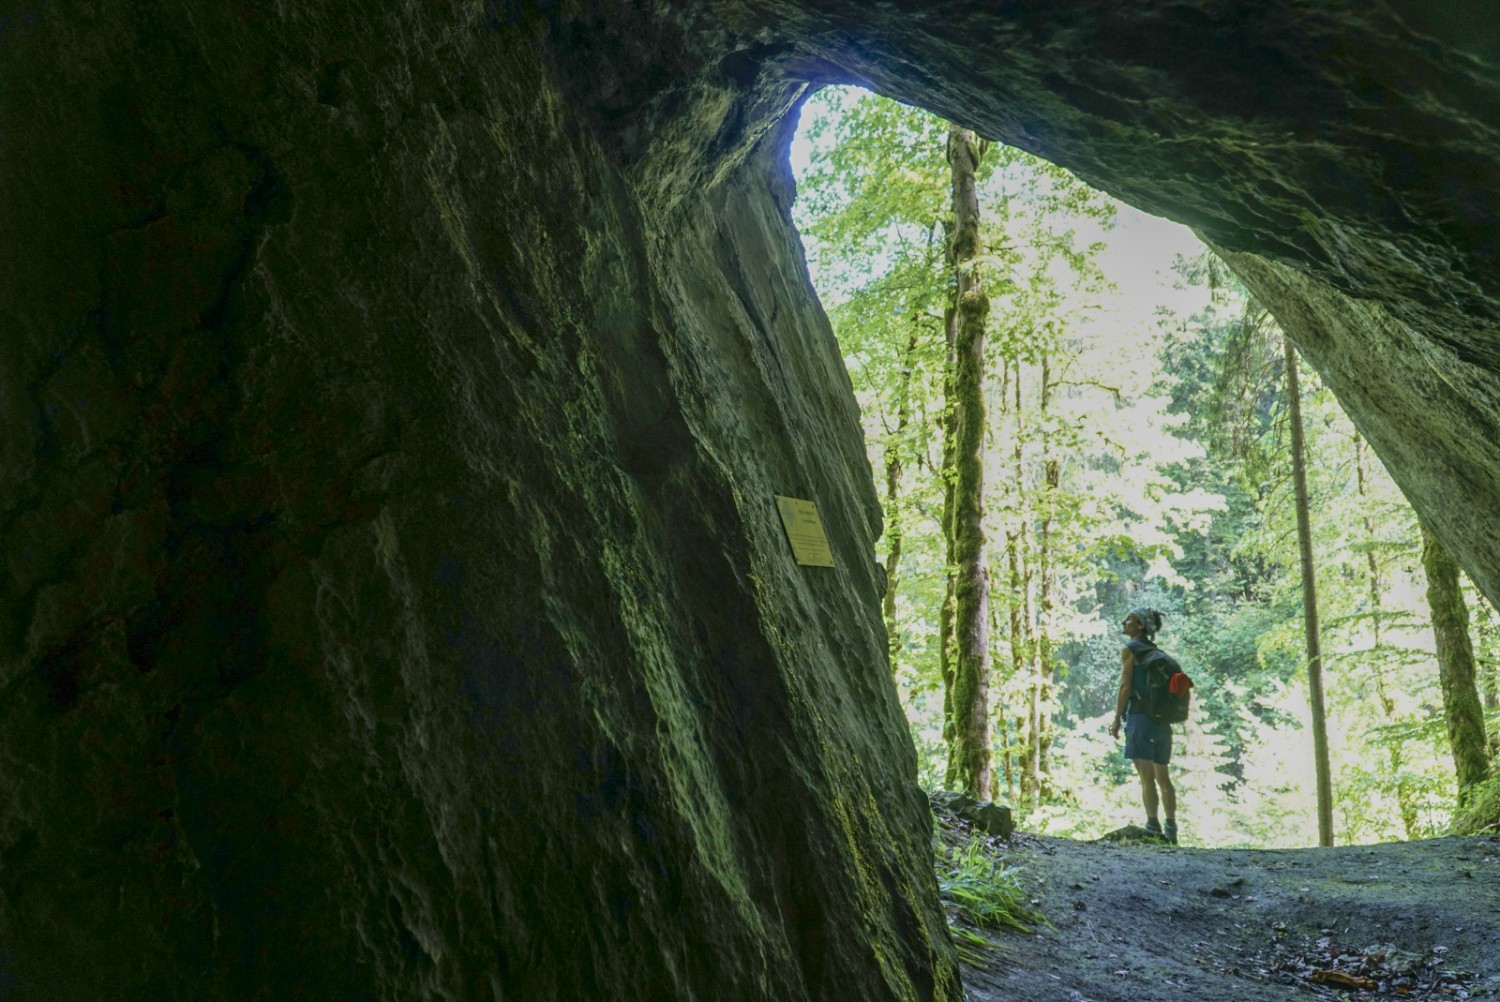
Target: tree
[[1395, 750], [895, 469], [1074, 490], [1309, 603], [1098, 493], [1455, 654], [1053, 526], [969, 756]]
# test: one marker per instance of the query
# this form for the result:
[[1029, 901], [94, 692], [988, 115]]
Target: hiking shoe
[[1153, 827], [1170, 831]]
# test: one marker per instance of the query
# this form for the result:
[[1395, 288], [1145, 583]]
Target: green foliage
[[1142, 467], [1481, 816], [978, 889]]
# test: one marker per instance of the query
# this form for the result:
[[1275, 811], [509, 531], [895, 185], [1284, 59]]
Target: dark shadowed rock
[[991, 818], [395, 397], [1132, 834]]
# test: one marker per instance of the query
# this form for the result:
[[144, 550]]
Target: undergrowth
[[979, 892], [1480, 815]]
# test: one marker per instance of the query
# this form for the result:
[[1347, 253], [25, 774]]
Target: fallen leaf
[[1340, 978]]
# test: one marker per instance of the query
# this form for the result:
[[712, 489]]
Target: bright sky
[[1138, 259]]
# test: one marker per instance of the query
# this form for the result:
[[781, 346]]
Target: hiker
[[1148, 744]]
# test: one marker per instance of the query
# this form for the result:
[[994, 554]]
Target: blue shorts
[[1145, 738]]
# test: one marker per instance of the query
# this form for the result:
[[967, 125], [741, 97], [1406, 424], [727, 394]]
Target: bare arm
[[1122, 701]]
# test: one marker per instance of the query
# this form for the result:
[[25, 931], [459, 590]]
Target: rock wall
[[395, 604], [394, 397]]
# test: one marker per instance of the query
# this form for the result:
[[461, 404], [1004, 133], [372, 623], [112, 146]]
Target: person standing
[[1148, 744]]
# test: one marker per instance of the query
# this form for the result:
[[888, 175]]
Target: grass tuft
[[981, 892], [1480, 813]]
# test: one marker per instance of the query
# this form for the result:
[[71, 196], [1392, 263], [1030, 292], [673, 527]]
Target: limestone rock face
[[395, 601], [395, 396]]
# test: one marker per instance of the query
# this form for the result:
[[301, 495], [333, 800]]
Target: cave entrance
[[1136, 452]]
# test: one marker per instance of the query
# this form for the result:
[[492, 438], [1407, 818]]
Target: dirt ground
[[1139, 921]]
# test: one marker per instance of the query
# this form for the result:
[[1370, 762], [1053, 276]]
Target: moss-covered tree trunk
[[1455, 654], [969, 757], [1309, 604], [947, 632]]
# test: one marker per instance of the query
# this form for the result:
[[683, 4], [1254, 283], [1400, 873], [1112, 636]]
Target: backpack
[[1168, 689]]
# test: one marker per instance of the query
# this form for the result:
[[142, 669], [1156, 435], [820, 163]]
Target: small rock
[[993, 818], [1132, 833]]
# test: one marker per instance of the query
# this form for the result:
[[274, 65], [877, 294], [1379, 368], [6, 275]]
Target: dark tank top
[[1138, 678]]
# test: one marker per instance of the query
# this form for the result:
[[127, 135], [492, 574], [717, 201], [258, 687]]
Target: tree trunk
[[1455, 654], [969, 753], [947, 635], [1046, 586], [1309, 604], [1017, 741], [1023, 648], [1008, 732], [1406, 799], [1489, 678], [894, 519], [1004, 766], [1013, 736]]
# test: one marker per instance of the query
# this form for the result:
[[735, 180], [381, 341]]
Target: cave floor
[[1138, 922]]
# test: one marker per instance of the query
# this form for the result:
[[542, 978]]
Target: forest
[[1057, 437]]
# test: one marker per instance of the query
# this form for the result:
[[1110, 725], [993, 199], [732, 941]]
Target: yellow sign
[[804, 531]]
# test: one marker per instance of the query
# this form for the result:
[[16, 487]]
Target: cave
[[396, 398]]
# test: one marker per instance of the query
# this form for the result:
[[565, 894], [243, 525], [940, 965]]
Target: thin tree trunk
[[1405, 796], [1024, 646], [1017, 658], [1046, 586], [969, 754], [1455, 654], [1034, 748], [1310, 604], [895, 528], [1005, 773], [947, 635], [1491, 677], [1009, 740], [1489, 682]]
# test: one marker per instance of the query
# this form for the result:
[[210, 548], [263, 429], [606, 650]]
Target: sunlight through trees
[[1131, 456]]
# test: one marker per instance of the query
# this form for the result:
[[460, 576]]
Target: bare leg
[[1147, 770], [1168, 791]]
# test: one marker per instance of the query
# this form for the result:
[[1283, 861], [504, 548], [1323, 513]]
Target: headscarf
[[1148, 618]]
